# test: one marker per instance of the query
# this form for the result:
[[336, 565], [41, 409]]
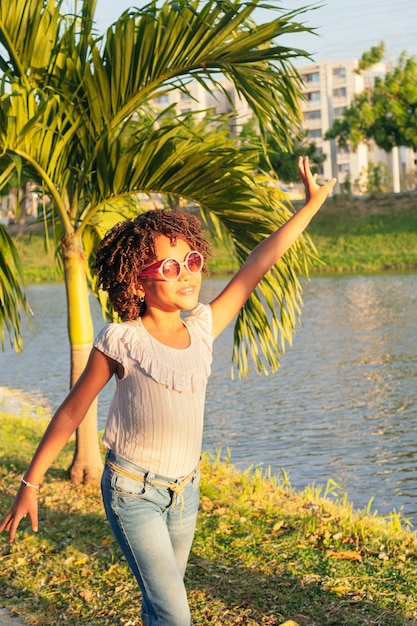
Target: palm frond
[[150, 51], [76, 115], [28, 33], [12, 299]]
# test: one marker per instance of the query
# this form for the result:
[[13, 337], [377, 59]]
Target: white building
[[329, 89], [224, 99]]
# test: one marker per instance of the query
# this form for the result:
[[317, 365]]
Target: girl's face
[[177, 295]]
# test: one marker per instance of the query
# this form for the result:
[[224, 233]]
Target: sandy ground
[[6, 619]]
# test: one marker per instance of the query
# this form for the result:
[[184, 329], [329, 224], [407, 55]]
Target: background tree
[[385, 113], [284, 162], [374, 179], [371, 57], [76, 117], [280, 160]]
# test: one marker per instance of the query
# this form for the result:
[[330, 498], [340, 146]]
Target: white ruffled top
[[156, 416]]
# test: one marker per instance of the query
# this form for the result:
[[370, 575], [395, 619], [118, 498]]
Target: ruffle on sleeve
[[108, 342]]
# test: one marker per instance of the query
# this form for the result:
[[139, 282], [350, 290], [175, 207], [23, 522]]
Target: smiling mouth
[[187, 291]]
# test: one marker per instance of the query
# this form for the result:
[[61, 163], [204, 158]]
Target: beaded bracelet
[[28, 484]]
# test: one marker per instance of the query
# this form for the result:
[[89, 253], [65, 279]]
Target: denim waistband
[[176, 487], [141, 473]]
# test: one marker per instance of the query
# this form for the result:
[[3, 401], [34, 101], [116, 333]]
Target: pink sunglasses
[[170, 269]]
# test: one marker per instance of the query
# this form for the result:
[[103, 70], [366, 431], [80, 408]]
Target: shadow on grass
[[289, 580], [234, 595], [90, 591], [72, 572]]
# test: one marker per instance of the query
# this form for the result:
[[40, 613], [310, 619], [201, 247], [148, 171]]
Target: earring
[[141, 299]]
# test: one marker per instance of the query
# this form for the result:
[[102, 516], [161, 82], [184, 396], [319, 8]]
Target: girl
[[151, 268]]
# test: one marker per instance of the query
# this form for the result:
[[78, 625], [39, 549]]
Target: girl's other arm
[[65, 421], [229, 302]]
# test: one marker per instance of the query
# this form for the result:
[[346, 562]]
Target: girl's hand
[[314, 192], [25, 503]]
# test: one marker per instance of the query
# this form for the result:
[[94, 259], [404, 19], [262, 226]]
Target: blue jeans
[[154, 528]]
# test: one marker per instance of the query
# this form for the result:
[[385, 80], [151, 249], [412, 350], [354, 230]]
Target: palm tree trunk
[[87, 463]]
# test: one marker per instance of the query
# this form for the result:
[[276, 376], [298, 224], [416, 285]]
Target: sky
[[345, 28]]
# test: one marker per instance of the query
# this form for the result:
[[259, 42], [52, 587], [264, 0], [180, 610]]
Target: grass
[[351, 235], [37, 259], [263, 553], [365, 235]]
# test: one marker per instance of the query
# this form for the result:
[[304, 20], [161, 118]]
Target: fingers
[[329, 185], [10, 524], [303, 163], [4, 524], [14, 523], [34, 520], [13, 519], [308, 177]]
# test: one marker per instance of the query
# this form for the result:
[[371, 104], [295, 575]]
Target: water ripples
[[342, 406]]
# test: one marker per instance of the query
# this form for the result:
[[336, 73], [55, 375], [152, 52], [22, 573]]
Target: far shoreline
[[352, 235]]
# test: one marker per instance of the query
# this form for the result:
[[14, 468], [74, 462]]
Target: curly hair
[[129, 246]]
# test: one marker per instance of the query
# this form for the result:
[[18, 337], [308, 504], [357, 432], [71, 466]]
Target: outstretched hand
[[24, 504], [313, 191]]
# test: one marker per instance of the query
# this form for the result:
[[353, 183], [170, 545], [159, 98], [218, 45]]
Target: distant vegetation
[[367, 235], [350, 234]]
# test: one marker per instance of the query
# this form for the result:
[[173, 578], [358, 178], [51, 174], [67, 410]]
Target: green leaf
[[12, 299]]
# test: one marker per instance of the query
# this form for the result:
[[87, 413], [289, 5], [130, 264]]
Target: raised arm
[[65, 421], [229, 302]]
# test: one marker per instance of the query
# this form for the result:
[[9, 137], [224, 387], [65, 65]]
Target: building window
[[339, 72], [313, 115], [342, 150], [163, 99], [343, 168], [314, 77], [339, 92], [313, 96], [339, 111], [316, 133]]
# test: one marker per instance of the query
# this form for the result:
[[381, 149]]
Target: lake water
[[343, 405]]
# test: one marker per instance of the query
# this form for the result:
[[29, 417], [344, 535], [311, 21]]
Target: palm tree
[[76, 115]]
